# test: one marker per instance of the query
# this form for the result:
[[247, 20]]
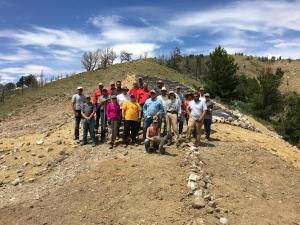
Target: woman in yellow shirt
[[131, 112]]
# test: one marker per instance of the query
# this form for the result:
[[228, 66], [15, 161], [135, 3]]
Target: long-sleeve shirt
[[153, 107], [113, 111], [173, 105], [163, 100], [97, 93], [143, 95]]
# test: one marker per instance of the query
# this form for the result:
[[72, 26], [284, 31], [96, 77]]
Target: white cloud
[[20, 55], [136, 49], [27, 69]]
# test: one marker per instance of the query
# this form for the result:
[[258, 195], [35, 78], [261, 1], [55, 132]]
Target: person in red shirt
[[186, 101], [112, 90], [134, 90], [143, 94], [97, 93]]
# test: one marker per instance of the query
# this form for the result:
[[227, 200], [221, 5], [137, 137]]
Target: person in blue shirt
[[152, 107]]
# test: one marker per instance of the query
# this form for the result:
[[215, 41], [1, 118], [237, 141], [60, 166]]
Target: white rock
[[198, 193], [194, 177], [192, 185], [16, 182], [40, 142], [224, 221]]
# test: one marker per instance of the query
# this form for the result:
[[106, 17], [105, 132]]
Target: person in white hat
[[163, 97], [77, 104]]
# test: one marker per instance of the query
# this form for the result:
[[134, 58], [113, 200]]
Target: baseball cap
[[153, 91], [206, 95], [171, 92], [79, 88], [112, 82], [178, 87], [160, 81], [125, 88], [100, 84], [163, 88], [113, 96]]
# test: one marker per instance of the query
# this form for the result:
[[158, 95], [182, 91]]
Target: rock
[[31, 180], [125, 153], [59, 142], [33, 154], [194, 177], [41, 156], [62, 152], [230, 119], [202, 184], [198, 221], [26, 163], [212, 204], [209, 209], [50, 149], [16, 182], [193, 148], [40, 142], [224, 221], [198, 203], [192, 185], [28, 143], [2, 156], [198, 193]]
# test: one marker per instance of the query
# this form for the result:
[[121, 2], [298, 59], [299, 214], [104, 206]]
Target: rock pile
[[199, 182]]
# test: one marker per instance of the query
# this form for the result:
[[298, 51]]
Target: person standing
[[123, 97], [163, 98], [152, 107], [112, 90], [97, 93], [180, 97], [77, 104], [153, 139], [140, 82], [186, 102], [118, 87], [208, 115], [103, 100], [131, 112], [87, 113], [143, 95], [197, 110], [159, 85], [113, 112], [134, 90], [173, 110], [201, 91]]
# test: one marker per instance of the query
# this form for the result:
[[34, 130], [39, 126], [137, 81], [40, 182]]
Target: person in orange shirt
[[143, 94], [186, 101], [112, 90]]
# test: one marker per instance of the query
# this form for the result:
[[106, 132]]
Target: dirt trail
[[254, 177]]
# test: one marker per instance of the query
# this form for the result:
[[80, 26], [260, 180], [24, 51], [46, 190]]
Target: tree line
[[259, 96]]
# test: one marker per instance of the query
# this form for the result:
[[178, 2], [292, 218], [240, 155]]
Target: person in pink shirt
[[113, 112]]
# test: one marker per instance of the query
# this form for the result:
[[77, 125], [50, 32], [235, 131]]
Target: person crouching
[[153, 139], [88, 112]]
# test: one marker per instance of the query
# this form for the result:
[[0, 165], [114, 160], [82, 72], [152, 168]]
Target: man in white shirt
[[201, 91], [123, 96], [197, 110], [77, 104], [163, 98]]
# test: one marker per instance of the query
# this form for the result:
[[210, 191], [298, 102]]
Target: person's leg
[[147, 145], [85, 132], [159, 142], [92, 131], [114, 130], [134, 131], [198, 131], [102, 123], [190, 128], [77, 124], [174, 126], [97, 117], [126, 131], [169, 125], [181, 121], [208, 128], [205, 127]]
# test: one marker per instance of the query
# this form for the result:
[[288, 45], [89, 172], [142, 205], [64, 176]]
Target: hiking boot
[[93, 145], [82, 144], [77, 141]]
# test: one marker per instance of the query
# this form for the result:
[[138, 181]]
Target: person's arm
[[73, 105], [148, 134], [94, 98], [93, 113]]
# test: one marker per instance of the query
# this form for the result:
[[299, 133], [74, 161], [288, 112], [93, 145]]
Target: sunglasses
[[196, 96]]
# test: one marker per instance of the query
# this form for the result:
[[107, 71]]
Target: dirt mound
[[253, 177]]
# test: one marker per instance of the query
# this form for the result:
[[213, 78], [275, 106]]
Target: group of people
[[159, 113]]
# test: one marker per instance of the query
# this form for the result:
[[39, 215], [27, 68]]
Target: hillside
[[243, 176]]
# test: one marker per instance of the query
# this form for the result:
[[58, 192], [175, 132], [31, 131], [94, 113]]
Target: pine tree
[[222, 79]]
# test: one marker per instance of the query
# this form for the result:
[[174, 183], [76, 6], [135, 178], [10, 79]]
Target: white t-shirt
[[197, 108], [78, 100], [122, 98], [163, 100]]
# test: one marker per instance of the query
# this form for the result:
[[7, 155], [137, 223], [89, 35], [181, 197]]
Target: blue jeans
[[77, 124], [207, 127], [88, 127]]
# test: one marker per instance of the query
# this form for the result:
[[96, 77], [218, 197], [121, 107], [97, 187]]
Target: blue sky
[[51, 35]]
